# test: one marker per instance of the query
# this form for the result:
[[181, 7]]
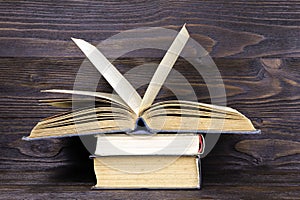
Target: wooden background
[[255, 45]]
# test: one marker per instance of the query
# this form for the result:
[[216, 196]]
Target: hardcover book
[[183, 172]]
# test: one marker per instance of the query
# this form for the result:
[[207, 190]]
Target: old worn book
[[183, 172], [145, 144], [125, 111]]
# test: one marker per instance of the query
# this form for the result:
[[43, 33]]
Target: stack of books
[[140, 144], [148, 161]]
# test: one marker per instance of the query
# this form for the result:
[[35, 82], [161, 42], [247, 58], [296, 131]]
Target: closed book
[[149, 144], [147, 172]]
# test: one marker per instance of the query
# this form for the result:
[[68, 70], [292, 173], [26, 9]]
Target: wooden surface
[[254, 44]]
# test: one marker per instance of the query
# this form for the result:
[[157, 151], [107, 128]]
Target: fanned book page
[[119, 83], [164, 68], [124, 112]]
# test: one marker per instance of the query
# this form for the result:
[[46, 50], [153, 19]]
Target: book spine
[[198, 160]]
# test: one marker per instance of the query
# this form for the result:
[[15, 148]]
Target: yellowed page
[[195, 105], [123, 88], [196, 124], [111, 97], [92, 127], [164, 68], [91, 113]]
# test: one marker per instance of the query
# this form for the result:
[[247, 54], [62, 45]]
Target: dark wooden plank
[[240, 166], [212, 192], [37, 54], [225, 28]]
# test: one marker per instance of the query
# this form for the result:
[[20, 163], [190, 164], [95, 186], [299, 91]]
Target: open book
[[128, 112]]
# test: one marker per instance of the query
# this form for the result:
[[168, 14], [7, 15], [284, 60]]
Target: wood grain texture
[[225, 28], [255, 44]]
